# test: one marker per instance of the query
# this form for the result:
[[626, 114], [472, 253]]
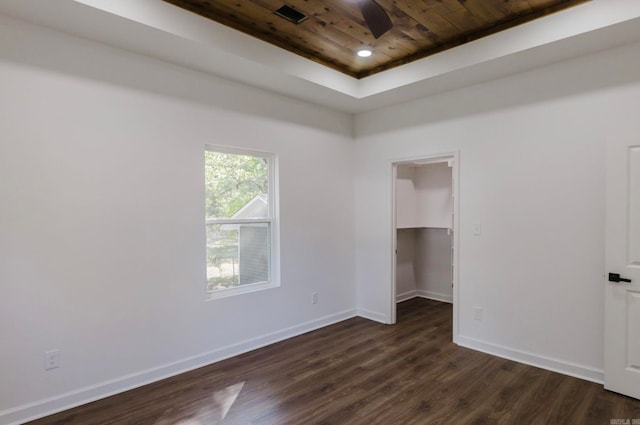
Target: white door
[[622, 293]]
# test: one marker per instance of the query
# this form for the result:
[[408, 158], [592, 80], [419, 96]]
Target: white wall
[[433, 259], [406, 268], [434, 195], [532, 174], [102, 247], [423, 195], [406, 197], [423, 264]]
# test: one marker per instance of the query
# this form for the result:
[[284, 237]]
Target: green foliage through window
[[231, 181]]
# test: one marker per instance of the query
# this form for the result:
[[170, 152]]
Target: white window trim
[[273, 220]]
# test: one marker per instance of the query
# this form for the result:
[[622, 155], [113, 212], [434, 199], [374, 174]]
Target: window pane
[[237, 254], [254, 253], [236, 186], [222, 256]]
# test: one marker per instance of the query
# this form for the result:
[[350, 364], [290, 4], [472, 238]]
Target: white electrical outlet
[[477, 313], [314, 298], [51, 359]]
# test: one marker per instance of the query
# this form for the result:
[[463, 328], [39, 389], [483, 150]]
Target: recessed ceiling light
[[364, 53]]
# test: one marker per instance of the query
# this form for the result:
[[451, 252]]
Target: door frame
[[455, 174]]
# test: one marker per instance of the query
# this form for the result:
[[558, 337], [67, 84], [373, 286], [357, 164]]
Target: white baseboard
[[424, 294], [406, 296], [91, 393], [555, 365], [445, 298], [373, 315]]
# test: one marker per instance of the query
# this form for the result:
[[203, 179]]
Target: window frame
[[272, 222]]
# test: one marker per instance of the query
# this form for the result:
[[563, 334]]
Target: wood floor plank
[[359, 372]]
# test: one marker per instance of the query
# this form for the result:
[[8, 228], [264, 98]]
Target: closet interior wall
[[424, 208]]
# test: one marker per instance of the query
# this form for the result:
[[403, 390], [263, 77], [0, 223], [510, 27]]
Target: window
[[241, 225]]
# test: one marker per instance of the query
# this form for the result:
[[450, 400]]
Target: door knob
[[615, 277]]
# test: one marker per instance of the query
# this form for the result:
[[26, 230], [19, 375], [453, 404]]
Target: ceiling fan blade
[[375, 16]]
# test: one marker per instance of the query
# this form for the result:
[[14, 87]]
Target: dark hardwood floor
[[359, 372]]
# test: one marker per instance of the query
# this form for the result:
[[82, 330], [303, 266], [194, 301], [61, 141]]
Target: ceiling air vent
[[290, 14]]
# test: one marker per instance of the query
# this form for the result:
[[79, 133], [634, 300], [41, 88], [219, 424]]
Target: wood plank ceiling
[[335, 29]]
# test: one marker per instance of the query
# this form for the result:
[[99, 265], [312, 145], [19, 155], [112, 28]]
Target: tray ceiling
[[159, 30], [335, 29]]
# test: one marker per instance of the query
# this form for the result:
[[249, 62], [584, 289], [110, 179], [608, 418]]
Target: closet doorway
[[425, 220]]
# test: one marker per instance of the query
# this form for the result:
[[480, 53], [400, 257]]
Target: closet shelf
[[423, 227]]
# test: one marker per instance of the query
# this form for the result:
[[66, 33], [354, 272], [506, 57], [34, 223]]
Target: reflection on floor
[[220, 403]]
